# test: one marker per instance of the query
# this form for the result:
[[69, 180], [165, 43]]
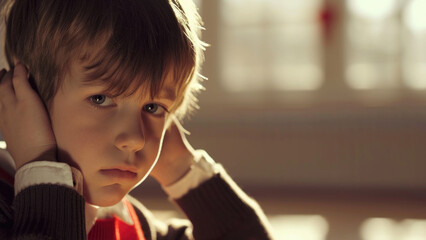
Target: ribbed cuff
[[43, 172], [201, 170], [51, 212]]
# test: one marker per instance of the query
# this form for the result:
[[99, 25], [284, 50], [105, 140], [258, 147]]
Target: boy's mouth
[[123, 172], [123, 167], [117, 173]]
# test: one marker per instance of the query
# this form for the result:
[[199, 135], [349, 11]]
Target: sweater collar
[[119, 210]]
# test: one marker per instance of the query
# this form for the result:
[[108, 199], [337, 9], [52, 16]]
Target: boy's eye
[[100, 100], [154, 109]]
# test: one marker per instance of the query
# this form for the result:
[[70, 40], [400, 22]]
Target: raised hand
[[176, 156], [24, 121]]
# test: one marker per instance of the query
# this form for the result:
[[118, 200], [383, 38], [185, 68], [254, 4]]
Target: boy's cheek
[[154, 128], [153, 145]]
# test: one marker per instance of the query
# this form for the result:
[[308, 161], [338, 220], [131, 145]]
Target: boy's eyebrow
[[91, 83], [168, 93]]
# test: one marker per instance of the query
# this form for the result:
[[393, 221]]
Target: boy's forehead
[[77, 77]]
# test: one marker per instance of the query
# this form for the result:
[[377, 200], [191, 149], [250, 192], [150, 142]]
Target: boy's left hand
[[176, 156]]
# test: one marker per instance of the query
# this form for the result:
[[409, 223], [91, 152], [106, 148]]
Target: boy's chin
[[104, 199], [104, 202]]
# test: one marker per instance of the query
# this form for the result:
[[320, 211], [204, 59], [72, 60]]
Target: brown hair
[[120, 42]]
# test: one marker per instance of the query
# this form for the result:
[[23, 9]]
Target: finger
[[20, 82], [7, 93]]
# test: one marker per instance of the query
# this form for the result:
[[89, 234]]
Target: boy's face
[[114, 142]]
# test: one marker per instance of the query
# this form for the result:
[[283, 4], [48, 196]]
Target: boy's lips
[[122, 172], [128, 168]]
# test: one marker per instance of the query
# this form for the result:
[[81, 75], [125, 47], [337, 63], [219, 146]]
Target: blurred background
[[317, 108]]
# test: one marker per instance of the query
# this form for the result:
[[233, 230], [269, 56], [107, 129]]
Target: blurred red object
[[327, 19]]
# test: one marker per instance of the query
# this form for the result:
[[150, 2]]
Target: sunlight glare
[[389, 229], [362, 76], [373, 10], [298, 77], [415, 74], [379, 229], [413, 229], [299, 227], [414, 16]]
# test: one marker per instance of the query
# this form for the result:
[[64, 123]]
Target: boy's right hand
[[24, 122]]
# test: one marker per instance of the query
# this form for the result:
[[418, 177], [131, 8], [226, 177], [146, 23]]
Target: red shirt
[[116, 229]]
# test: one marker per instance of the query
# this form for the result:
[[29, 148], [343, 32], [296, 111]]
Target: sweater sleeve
[[219, 209], [42, 211], [47, 211], [216, 209]]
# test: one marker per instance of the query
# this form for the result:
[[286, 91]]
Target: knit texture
[[218, 209], [225, 214], [51, 211]]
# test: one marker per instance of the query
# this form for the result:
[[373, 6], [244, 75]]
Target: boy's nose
[[132, 138]]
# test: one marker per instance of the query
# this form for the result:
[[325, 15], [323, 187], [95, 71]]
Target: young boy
[[91, 104]]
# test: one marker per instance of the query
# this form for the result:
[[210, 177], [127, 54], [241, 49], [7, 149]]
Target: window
[[414, 48], [270, 45], [296, 227], [277, 51], [386, 44], [372, 44], [389, 229]]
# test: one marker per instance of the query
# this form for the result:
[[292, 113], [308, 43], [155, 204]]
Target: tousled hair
[[123, 43]]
